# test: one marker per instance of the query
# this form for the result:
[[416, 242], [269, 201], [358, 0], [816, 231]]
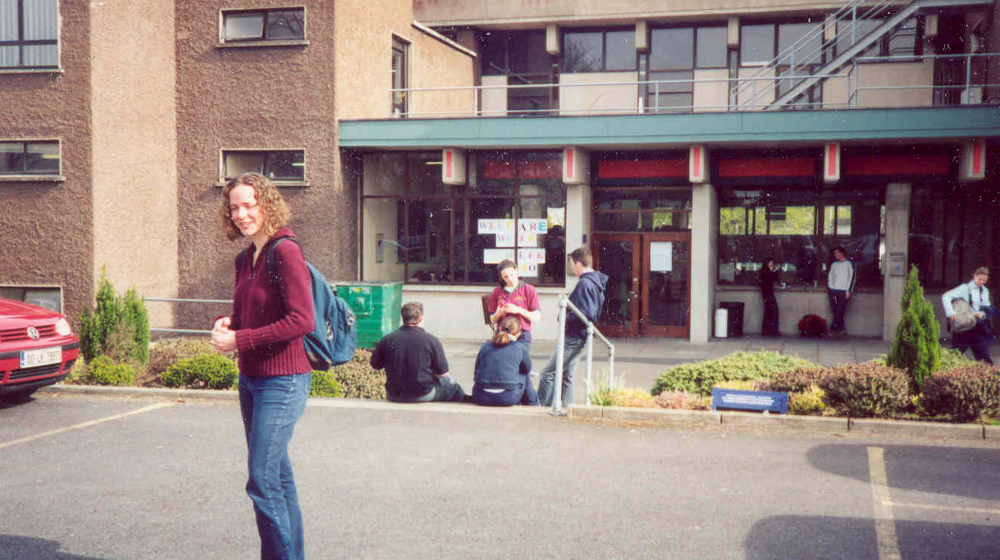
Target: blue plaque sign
[[750, 400]]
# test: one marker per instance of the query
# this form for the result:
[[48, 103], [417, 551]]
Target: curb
[[861, 426]]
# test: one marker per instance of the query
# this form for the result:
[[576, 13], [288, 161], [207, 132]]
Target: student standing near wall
[[840, 286], [768, 277]]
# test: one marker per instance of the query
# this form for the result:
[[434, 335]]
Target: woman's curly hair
[[272, 204]]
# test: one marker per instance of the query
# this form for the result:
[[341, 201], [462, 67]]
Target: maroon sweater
[[270, 315]]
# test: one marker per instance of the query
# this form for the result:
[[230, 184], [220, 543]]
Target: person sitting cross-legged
[[416, 369], [502, 368]]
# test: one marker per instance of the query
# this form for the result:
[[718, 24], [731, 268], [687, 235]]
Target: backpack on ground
[[812, 326], [965, 316], [334, 338]]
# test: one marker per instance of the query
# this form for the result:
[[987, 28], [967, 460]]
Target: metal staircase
[[794, 62]]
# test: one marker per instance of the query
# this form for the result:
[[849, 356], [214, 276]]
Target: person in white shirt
[[840, 285], [978, 296]]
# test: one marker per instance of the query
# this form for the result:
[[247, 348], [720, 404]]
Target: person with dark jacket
[[271, 314], [768, 277], [588, 296], [416, 369], [501, 373]]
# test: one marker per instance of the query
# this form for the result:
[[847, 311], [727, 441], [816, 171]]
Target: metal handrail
[[183, 300], [564, 304], [851, 80]]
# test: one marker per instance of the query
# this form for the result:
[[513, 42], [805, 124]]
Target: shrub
[[118, 326], [797, 380], [603, 391], [952, 358], [866, 390], [810, 401], [916, 349], [358, 380], [637, 398], [213, 371], [966, 392], [700, 377], [168, 351], [737, 384], [682, 400], [324, 384], [104, 371]]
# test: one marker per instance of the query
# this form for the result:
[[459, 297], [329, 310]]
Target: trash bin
[[721, 322], [376, 308], [735, 323]]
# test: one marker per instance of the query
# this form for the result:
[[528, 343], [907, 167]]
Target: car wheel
[[19, 397]]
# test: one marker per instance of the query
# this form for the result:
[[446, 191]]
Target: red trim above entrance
[[767, 167], [898, 164], [649, 168]]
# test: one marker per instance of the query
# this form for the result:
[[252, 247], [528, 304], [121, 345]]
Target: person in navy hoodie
[[272, 311], [588, 296], [502, 368]]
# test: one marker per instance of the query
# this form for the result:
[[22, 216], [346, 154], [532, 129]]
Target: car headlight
[[63, 328]]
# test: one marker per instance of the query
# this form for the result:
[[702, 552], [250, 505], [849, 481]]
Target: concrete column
[[704, 260], [578, 199], [897, 231]]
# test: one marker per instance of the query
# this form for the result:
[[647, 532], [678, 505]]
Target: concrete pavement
[[642, 360]]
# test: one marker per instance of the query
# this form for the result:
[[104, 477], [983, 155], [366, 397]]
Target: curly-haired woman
[[272, 310]]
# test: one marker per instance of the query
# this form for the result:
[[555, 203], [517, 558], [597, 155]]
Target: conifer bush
[[916, 348], [118, 325]]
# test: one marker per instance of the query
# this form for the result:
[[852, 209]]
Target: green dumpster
[[376, 307]]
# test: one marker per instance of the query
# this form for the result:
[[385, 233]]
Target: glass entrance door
[[649, 281], [619, 256]]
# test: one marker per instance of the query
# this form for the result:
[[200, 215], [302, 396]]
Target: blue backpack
[[333, 340]]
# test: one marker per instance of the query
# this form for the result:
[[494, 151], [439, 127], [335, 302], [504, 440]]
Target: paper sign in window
[[661, 256], [494, 256], [533, 226], [532, 256], [556, 217], [526, 239], [505, 240], [487, 227]]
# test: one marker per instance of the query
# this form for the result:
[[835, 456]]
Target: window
[[29, 158], [399, 76], [521, 56], [277, 165], [512, 207], [906, 39], [599, 51], [799, 227], [283, 24], [29, 34], [756, 44], [642, 209], [49, 298], [952, 232]]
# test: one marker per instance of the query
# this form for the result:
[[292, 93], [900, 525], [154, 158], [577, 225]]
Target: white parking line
[[85, 424], [885, 525], [990, 511]]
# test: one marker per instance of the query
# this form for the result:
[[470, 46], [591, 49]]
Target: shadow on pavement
[[17, 546], [955, 471], [820, 537]]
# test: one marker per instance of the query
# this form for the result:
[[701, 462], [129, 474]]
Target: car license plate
[[41, 357]]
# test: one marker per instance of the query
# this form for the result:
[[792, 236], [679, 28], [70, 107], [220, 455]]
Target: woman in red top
[[272, 310], [514, 297]]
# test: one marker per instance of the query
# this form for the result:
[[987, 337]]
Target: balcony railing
[[898, 81]]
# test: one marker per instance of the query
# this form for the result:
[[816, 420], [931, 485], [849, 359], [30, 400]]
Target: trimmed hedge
[[866, 390], [357, 378], [965, 393], [104, 371], [210, 371], [700, 377]]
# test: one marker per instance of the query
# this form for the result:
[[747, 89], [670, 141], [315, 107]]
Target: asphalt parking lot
[[97, 477]]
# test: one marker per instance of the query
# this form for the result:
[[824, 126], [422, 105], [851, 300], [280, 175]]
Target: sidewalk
[[641, 360]]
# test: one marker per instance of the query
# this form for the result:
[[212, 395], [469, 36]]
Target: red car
[[37, 348]]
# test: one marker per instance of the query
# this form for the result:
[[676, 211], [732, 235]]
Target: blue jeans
[[524, 393], [271, 406], [838, 304], [446, 389], [572, 352]]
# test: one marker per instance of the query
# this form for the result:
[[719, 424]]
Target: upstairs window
[[599, 51], [29, 34], [29, 157], [282, 24], [906, 39], [276, 165]]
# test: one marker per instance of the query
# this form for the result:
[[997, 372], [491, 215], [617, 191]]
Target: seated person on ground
[[416, 369], [502, 368]]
